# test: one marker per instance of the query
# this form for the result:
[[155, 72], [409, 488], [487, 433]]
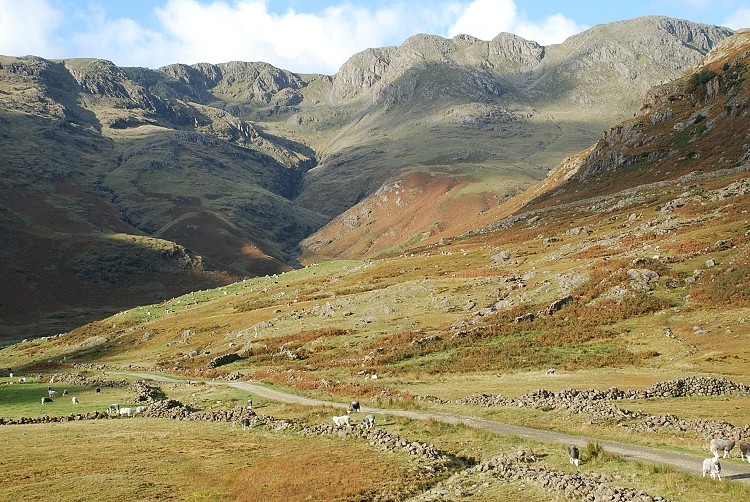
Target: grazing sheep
[[98, 390], [245, 423], [65, 392], [126, 412], [716, 445], [52, 393], [250, 404], [574, 454], [369, 421], [113, 409], [22, 380], [46, 400], [141, 409], [75, 400], [551, 371], [342, 420], [712, 467], [354, 406], [745, 451], [10, 375], [526, 455]]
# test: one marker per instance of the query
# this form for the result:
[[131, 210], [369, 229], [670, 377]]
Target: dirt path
[[733, 469]]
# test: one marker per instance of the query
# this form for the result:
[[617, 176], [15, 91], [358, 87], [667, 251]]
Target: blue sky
[[315, 36]]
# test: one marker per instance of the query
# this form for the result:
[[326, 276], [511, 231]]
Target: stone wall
[[600, 405], [512, 468]]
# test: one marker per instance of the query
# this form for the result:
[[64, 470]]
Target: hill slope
[[571, 280], [121, 186]]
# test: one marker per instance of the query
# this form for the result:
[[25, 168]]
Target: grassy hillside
[[625, 269], [234, 165]]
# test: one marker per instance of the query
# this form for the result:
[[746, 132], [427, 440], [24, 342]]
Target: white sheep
[[712, 467], [141, 409], [75, 400], [126, 412], [745, 451], [369, 421], [46, 400], [22, 380], [551, 371], [342, 420], [113, 409], [52, 393], [716, 445]]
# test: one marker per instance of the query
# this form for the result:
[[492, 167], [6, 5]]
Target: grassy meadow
[[152, 459]]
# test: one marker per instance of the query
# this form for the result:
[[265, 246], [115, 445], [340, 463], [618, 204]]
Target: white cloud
[[25, 27], [217, 31], [302, 42], [485, 19], [738, 19], [123, 40], [552, 30]]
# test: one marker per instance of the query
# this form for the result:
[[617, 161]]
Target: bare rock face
[[361, 72], [97, 76], [510, 48]]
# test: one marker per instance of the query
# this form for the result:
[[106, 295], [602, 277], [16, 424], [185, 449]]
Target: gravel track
[[734, 469]]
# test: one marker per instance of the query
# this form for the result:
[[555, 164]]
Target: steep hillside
[[91, 155], [611, 262], [218, 172], [537, 107], [696, 125]]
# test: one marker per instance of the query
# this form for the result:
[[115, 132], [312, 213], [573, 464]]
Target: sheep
[[716, 445], [75, 400], [22, 380], [574, 454], [745, 451], [369, 421], [342, 420], [250, 405], [46, 400], [65, 392], [113, 409], [141, 409], [98, 390], [52, 393], [712, 467], [526, 455], [354, 406], [245, 423], [126, 412], [551, 371]]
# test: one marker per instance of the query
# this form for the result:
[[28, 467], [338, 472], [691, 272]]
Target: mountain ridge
[[240, 162]]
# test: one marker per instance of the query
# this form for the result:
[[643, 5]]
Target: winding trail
[[735, 470]]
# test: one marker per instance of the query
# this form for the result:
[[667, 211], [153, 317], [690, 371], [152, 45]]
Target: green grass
[[24, 400]]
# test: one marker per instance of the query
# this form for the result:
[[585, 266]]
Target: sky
[[305, 36]]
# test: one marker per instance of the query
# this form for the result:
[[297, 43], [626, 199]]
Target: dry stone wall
[[599, 405], [575, 485]]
